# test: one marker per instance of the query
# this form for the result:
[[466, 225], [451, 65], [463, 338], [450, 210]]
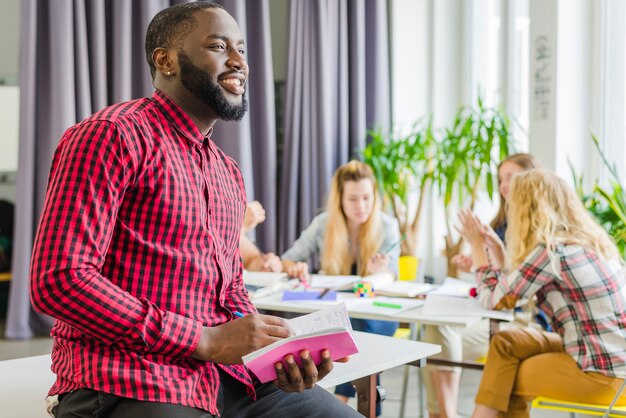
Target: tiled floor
[[392, 381]]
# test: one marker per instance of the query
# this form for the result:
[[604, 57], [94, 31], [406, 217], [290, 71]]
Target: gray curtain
[[338, 86], [78, 56]]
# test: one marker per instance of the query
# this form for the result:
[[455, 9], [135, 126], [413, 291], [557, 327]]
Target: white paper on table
[[263, 278], [401, 288], [335, 316], [334, 282], [378, 280], [367, 305], [453, 287], [451, 305]]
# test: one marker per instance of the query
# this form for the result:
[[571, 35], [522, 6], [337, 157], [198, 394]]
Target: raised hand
[[255, 214]]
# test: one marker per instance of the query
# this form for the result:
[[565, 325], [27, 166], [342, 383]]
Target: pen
[[387, 305], [395, 244], [323, 293], [238, 314]]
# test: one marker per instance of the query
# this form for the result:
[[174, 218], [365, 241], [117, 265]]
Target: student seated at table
[[252, 257], [351, 237], [442, 382], [559, 254]]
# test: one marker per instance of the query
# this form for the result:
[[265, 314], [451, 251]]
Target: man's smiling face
[[218, 73]]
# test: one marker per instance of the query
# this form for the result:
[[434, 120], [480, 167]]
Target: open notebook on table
[[326, 329]]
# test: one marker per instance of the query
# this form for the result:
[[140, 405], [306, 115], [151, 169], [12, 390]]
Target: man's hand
[[228, 342], [295, 379]]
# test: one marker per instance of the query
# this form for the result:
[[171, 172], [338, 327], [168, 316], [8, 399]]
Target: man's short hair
[[170, 26]]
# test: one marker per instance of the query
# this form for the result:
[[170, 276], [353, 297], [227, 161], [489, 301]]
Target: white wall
[[10, 35]]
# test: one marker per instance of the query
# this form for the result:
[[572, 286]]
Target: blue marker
[[238, 314]]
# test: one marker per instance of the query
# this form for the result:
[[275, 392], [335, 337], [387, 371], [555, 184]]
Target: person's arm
[[497, 291], [251, 256], [228, 342], [92, 168], [386, 259], [294, 259], [254, 260]]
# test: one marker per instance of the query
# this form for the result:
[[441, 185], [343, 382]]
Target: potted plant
[[467, 159], [403, 164], [606, 204]]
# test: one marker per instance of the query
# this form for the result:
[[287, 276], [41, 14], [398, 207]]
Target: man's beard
[[200, 85]]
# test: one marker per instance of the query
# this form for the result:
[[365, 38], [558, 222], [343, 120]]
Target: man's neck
[[201, 114]]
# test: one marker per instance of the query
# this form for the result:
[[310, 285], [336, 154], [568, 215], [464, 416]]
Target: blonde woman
[[442, 382], [559, 254], [351, 237]]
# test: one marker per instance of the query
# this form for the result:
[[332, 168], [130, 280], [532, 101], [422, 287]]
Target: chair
[[542, 402]]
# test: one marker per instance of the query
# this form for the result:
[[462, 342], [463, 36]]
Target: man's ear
[[165, 61]]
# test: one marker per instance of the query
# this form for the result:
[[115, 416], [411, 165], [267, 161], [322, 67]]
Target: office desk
[[26, 381], [414, 317]]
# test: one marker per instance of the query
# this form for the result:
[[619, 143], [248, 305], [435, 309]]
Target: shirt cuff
[[179, 336]]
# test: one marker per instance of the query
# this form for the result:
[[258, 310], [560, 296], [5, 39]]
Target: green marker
[[387, 305]]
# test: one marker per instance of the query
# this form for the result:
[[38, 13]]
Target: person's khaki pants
[[525, 363]]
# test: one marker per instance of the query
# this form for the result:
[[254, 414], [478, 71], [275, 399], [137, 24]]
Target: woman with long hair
[[353, 236], [558, 253], [442, 382]]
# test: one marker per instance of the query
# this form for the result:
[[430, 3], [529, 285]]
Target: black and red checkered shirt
[[137, 249]]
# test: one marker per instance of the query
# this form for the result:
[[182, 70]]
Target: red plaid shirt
[[137, 249], [582, 294]]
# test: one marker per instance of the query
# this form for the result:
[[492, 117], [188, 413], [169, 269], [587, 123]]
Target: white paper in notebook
[[451, 305], [333, 317]]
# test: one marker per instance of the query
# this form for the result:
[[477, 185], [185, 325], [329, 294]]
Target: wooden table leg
[[366, 395]]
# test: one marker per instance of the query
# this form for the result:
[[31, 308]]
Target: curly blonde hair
[[543, 209], [336, 257]]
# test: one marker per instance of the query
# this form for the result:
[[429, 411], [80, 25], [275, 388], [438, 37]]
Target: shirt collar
[[179, 119]]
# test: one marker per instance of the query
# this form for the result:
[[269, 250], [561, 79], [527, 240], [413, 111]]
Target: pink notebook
[[338, 340]]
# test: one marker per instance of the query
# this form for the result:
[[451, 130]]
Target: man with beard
[[136, 255]]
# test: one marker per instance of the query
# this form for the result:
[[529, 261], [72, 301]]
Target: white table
[[414, 316], [26, 381]]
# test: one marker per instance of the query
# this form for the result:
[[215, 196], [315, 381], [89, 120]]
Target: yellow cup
[[407, 267]]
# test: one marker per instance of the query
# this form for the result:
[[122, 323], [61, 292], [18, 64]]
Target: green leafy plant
[[606, 204], [403, 164], [467, 159]]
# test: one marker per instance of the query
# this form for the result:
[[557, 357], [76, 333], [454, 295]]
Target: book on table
[[326, 329]]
